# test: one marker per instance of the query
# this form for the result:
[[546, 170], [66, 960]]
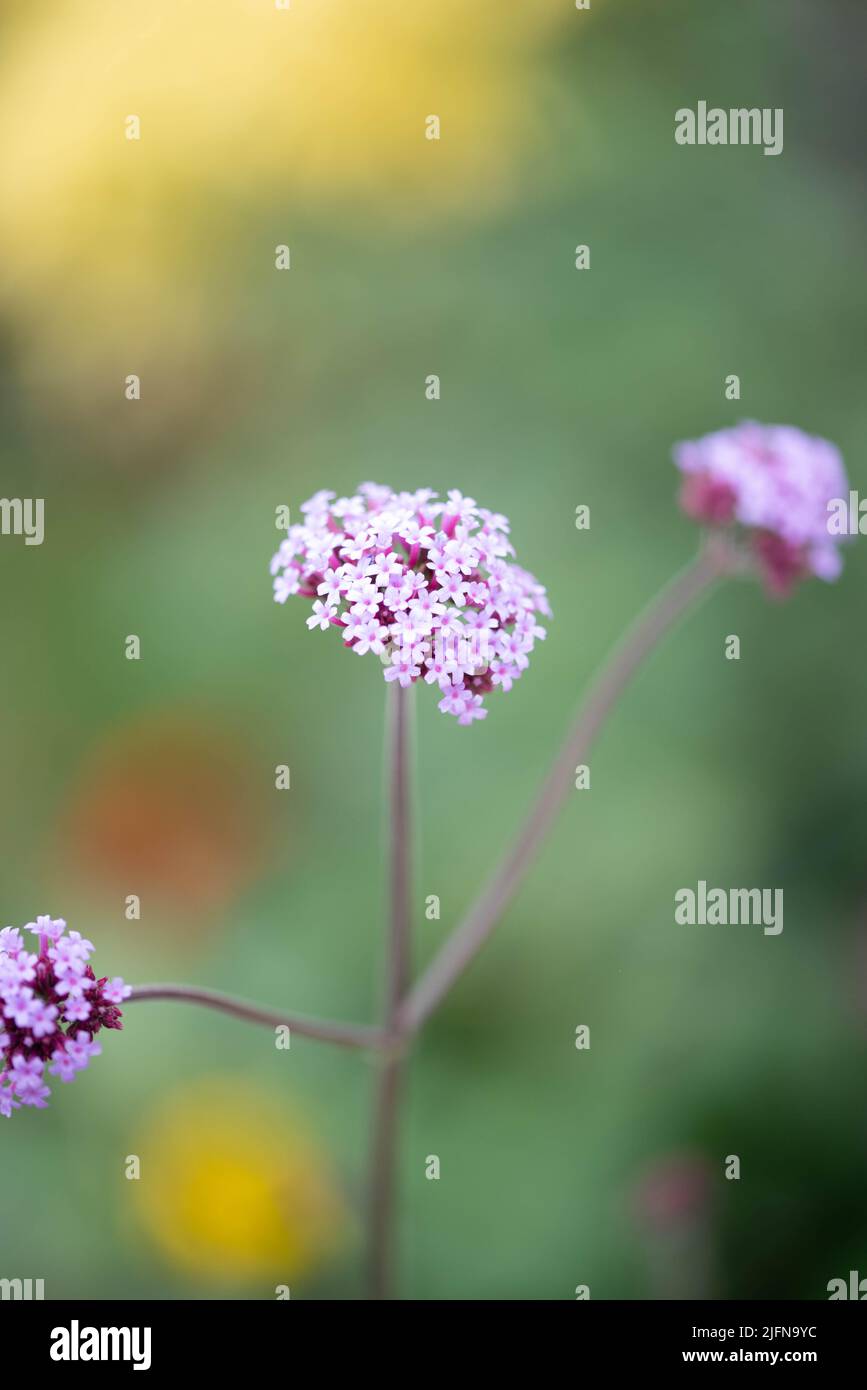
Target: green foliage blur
[[559, 388]]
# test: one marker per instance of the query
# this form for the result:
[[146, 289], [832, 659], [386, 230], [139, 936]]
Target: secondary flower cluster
[[424, 584], [41, 994], [775, 481]]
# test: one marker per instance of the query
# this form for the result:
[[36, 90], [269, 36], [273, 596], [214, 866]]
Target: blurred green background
[[156, 777]]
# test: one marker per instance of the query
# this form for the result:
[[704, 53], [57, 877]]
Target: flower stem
[[343, 1034], [711, 563], [406, 1010], [389, 1088]]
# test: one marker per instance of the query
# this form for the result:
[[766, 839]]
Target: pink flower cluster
[[426, 585], [41, 994], [775, 481]]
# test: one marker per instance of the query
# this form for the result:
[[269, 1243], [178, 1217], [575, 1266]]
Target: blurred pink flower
[[672, 1203], [776, 482], [673, 1190]]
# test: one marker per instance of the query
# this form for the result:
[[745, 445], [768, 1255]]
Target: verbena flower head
[[51, 1008], [428, 586], [776, 482]]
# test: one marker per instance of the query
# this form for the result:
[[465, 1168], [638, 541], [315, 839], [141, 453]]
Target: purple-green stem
[[406, 1010], [613, 678], [343, 1034], [384, 1138]]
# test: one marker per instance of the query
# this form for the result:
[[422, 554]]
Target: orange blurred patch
[[166, 809]]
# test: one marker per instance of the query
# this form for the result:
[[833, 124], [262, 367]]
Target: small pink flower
[[8, 1103], [503, 674], [371, 637], [463, 704], [322, 615], [332, 586], [115, 991], [47, 928], [453, 587], [286, 584], [42, 1019], [440, 668], [403, 667]]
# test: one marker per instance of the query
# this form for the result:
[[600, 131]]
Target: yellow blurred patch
[[231, 1191], [241, 104]]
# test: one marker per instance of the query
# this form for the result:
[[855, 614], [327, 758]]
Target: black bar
[[266, 1338]]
